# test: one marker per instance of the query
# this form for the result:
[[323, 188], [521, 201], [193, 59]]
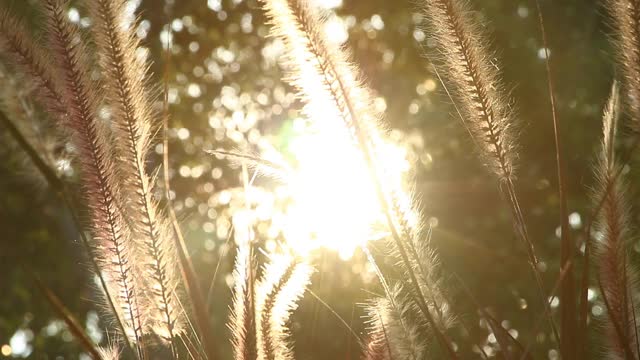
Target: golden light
[[333, 198], [6, 350]]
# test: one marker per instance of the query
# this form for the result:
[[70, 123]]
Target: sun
[[333, 199]]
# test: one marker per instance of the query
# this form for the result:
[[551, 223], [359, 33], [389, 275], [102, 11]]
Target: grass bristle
[[127, 91], [111, 236], [618, 280], [242, 321], [625, 16], [283, 282], [27, 55], [477, 86]]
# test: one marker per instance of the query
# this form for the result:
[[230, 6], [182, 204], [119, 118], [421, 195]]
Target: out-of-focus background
[[225, 91]]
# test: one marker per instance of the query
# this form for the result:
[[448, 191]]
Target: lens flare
[[333, 199]]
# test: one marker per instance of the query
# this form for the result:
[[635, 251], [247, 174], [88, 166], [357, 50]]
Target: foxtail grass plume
[[378, 346], [20, 49], [335, 96], [110, 352], [618, 280], [484, 108], [395, 329], [131, 238], [625, 16], [242, 321], [337, 100], [283, 282], [128, 95], [471, 70], [92, 139]]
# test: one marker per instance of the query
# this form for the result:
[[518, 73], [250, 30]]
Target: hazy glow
[[336, 30], [329, 4], [20, 343], [334, 203]]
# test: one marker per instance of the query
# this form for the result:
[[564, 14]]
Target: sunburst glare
[[333, 199]]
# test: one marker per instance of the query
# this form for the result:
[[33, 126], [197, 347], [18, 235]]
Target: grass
[[148, 284]]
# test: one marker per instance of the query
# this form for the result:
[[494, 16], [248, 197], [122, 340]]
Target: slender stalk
[[49, 174], [503, 338], [531, 253], [72, 323], [337, 316], [568, 320], [552, 294]]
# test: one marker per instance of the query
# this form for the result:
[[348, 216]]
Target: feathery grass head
[[617, 279], [337, 100], [128, 97], [112, 238], [626, 24], [396, 328], [126, 75], [331, 86], [346, 124], [476, 84], [110, 352], [242, 321], [321, 70], [282, 284], [378, 346], [19, 49]]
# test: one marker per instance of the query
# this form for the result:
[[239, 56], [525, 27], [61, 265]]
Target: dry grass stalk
[[242, 321], [396, 329], [110, 352], [127, 90], [626, 24], [484, 104], [110, 232], [333, 91], [20, 49], [72, 323], [617, 278], [570, 338], [283, 282], [477, 85]]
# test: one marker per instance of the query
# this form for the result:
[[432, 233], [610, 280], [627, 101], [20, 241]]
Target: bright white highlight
[[334, 203]]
